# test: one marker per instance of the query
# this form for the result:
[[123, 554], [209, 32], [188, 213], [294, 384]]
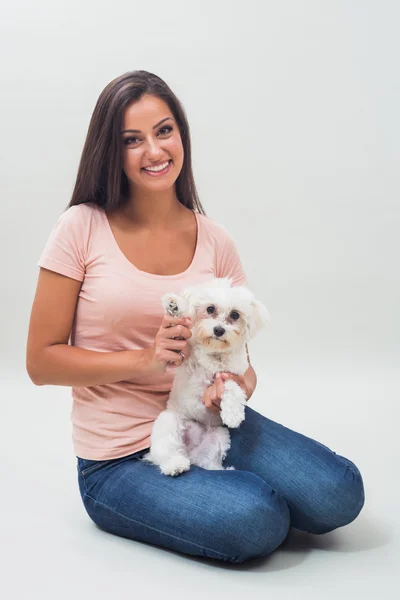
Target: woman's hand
[[239, 379], [213, 395], [166, 350]]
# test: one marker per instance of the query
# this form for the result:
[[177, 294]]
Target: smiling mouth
[[155, 173]]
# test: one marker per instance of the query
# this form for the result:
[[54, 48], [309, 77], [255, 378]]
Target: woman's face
[[156, 140]]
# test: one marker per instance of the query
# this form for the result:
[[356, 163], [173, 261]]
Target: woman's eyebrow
[[138, 130]]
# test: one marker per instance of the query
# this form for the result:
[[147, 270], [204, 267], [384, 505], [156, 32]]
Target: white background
[[294, 114]]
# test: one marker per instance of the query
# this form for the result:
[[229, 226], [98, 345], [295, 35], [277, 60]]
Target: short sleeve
[[65, 250], [228, 261]]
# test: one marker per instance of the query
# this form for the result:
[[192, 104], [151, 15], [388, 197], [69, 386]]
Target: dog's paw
[[229, 468], [173, 304], [175, 465], [232, 411], [232, 417], [232, 405]]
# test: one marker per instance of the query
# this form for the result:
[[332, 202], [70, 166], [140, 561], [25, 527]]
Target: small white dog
[[224, 319]]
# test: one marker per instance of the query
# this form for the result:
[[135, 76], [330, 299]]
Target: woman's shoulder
[[215, 229], [79, 215], [77, 220], [85, 209]]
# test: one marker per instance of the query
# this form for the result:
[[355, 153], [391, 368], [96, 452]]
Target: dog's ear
[[221, 282], [188, 298], [259, 317]]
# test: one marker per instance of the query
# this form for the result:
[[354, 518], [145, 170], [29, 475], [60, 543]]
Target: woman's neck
[[153, 212]]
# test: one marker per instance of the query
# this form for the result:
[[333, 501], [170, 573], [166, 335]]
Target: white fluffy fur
[[187, 432]]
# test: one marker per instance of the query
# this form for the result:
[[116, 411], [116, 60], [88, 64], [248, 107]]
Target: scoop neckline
[[134, 268]]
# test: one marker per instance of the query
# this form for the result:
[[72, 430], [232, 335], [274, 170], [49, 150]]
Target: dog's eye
[[235, 315], [210, 309]]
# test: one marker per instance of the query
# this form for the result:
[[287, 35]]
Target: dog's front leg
[[168, 449], [232, 404]]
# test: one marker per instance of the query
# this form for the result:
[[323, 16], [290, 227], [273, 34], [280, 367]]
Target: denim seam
[[158, 530], [342, 459], [86, 488]]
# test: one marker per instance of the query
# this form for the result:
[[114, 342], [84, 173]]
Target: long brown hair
[[101, 179]]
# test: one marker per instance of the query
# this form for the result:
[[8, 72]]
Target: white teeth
[[159, 168]]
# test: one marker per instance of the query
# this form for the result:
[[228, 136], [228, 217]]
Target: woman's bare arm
[[49, 358]]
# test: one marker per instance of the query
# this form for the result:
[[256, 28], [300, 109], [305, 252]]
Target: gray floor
[[51, 549]]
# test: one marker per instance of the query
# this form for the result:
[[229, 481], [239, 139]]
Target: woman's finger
[[216, 405], [209, 398], [215, 397], [219, 386]]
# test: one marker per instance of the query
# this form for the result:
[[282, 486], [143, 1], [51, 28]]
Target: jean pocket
[[87, 467], [90, 466]]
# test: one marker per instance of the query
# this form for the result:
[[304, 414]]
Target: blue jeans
[[282, 479]]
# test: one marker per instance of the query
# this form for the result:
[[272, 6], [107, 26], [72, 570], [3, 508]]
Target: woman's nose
[[154, 149]]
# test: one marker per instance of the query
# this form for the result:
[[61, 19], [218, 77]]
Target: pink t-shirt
[[119, 308]]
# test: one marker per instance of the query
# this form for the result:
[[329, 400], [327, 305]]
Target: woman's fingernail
[[217, 375]]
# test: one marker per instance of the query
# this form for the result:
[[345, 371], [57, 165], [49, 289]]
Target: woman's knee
[[242, 517], [256, 526], [337, 505]]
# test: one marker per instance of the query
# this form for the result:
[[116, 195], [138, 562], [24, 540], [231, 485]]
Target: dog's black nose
[[219, 331]]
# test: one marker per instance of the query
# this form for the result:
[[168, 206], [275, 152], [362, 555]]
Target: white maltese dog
[[224, 319]]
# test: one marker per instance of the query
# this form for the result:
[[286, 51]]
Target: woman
[[134, 230]]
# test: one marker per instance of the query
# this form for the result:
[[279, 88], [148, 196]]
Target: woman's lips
[[158, 173]]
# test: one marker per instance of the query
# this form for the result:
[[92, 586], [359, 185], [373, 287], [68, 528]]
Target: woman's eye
[[168, 129], [235, 315], [210, 309], [127, 140]]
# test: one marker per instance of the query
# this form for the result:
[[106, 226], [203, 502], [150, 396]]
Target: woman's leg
[[323, 490], [227, 515]]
